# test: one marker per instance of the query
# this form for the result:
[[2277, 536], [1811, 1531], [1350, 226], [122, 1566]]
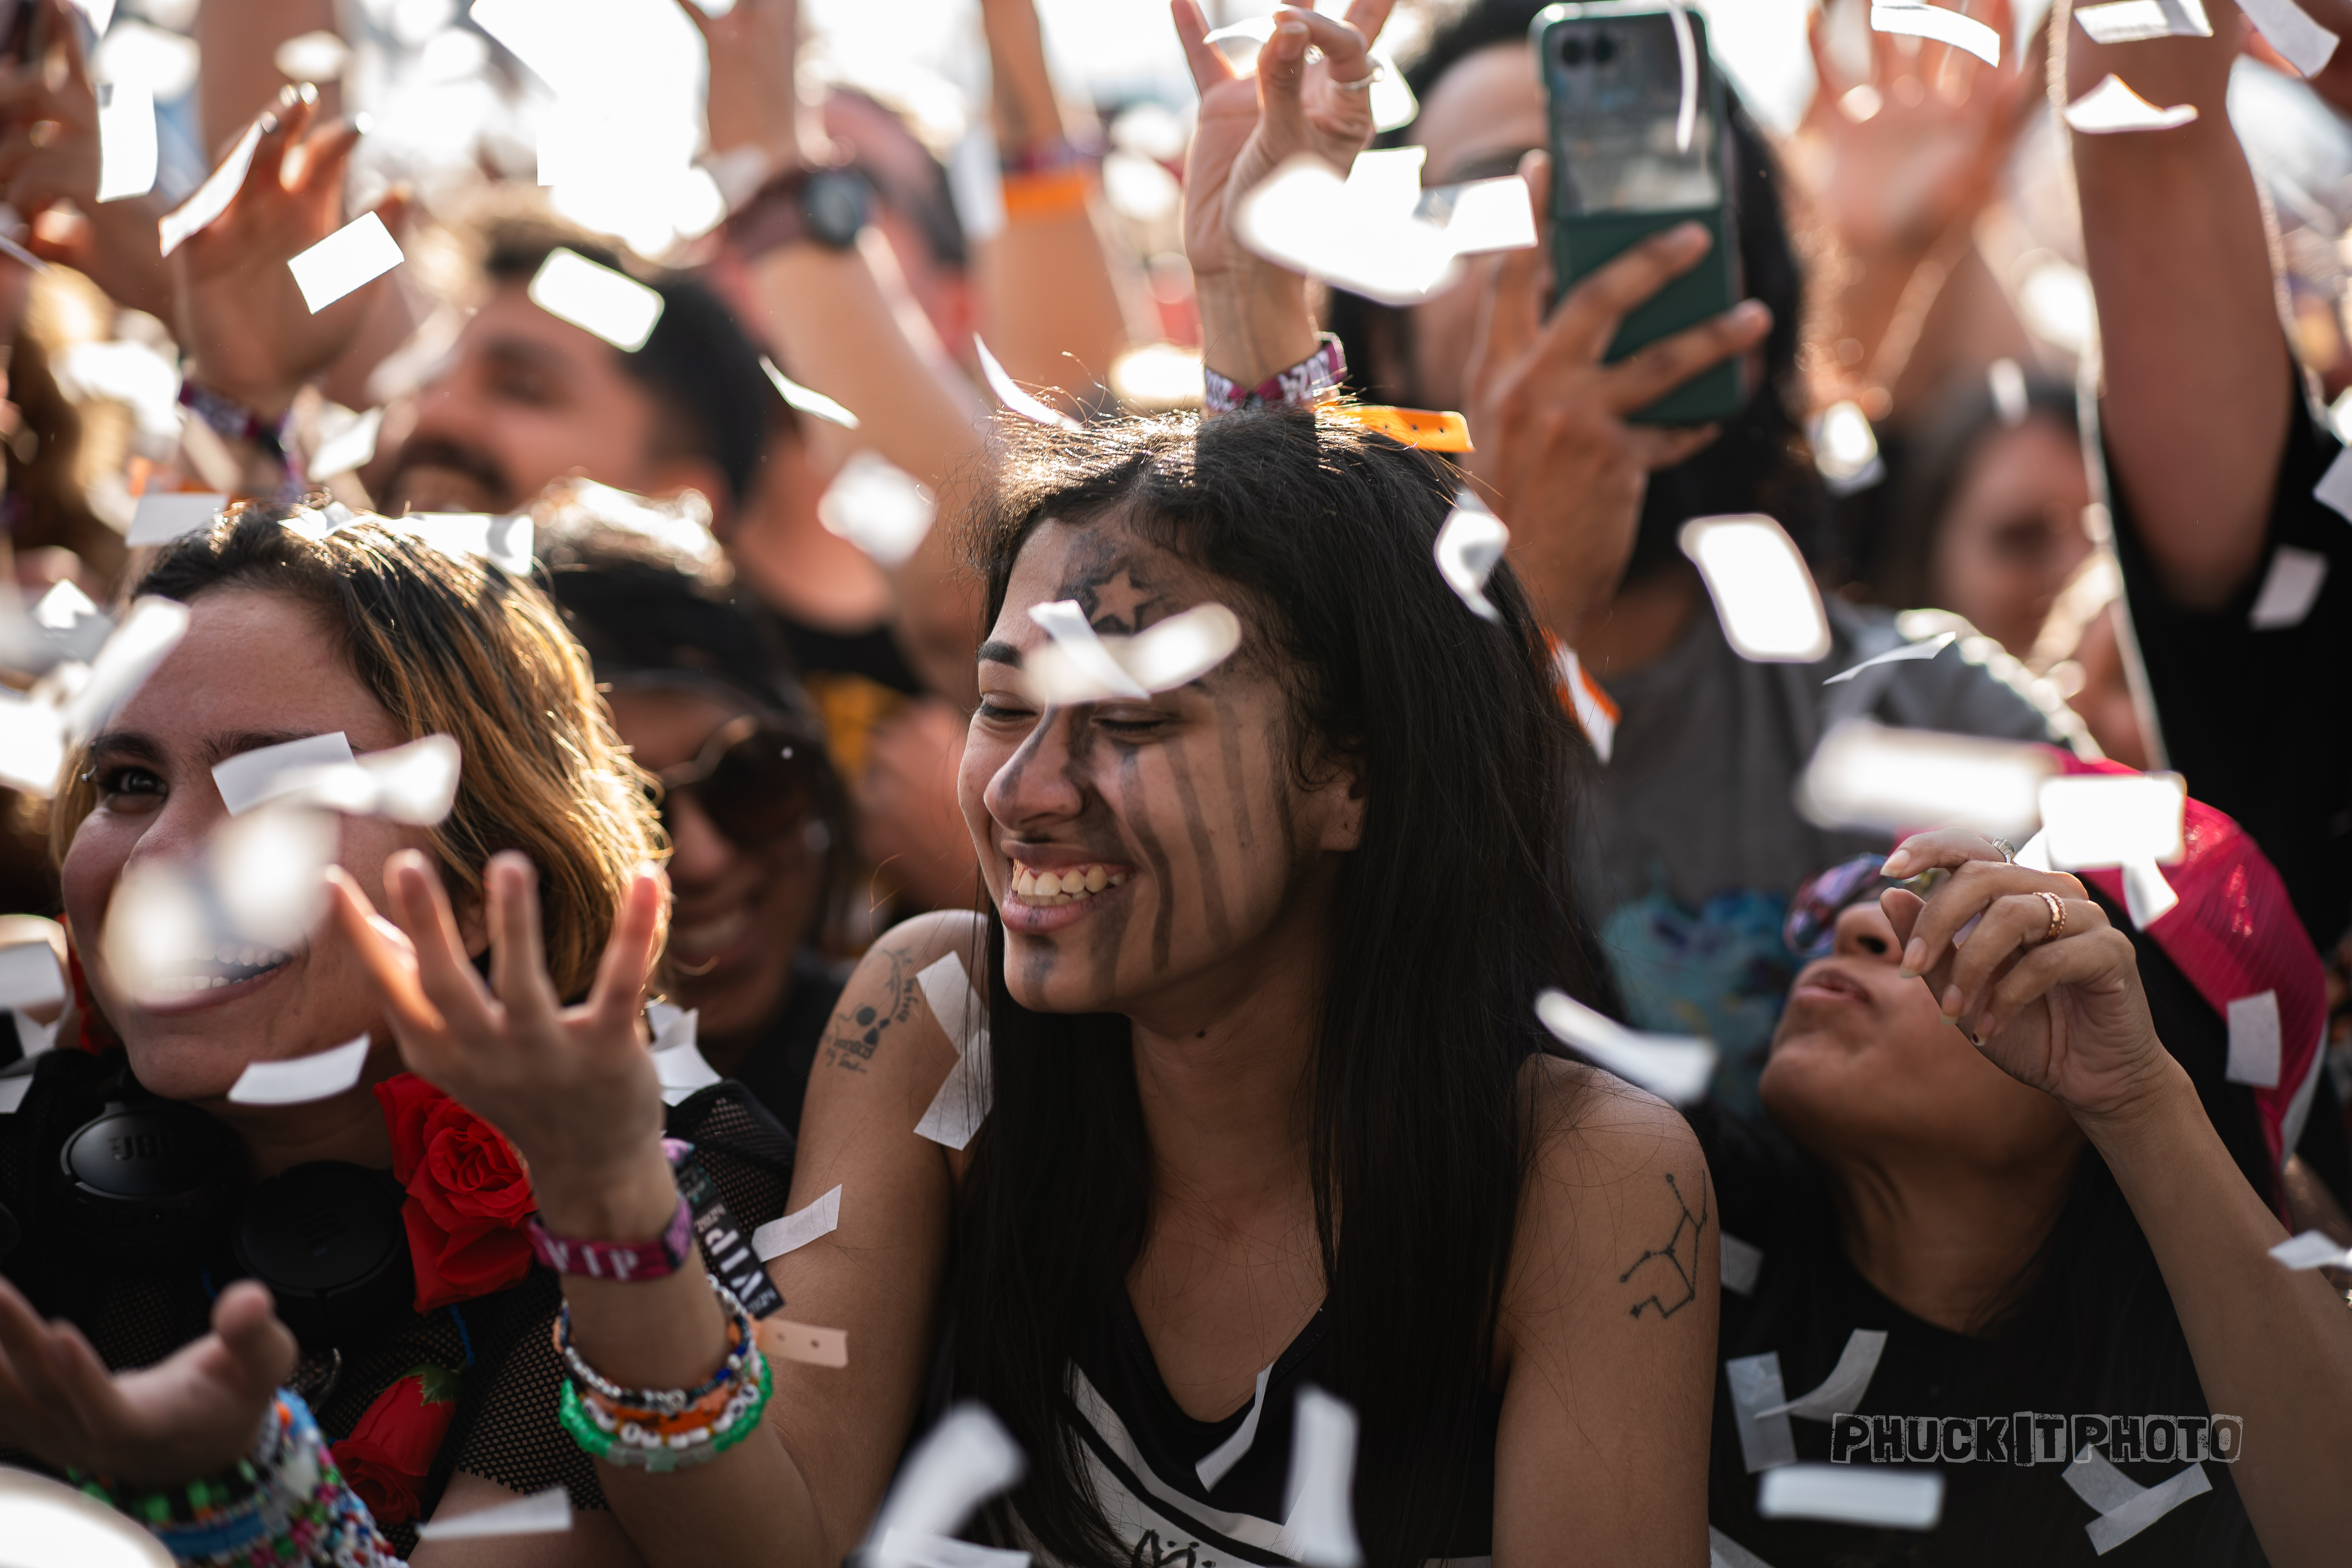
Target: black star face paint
[[1126, 841]]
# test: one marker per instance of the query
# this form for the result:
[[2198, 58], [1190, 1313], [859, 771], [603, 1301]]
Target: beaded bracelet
[[631, 1446], [741, 1336]]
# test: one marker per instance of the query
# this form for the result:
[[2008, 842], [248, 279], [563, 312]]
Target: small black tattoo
[[856, 1032], [1687, 1224]]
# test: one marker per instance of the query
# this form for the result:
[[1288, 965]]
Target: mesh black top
[[505, 1427]]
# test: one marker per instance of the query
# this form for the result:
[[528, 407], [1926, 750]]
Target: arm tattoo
[[856, 1032], [1684, 1288]]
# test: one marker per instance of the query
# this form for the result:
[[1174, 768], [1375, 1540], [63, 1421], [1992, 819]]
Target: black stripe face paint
[[1204, 850]]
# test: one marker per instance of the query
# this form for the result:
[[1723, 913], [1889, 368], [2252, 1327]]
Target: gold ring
[[2057, 917]]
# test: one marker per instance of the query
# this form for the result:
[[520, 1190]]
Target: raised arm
[[2198, 381], [2068, 1016]]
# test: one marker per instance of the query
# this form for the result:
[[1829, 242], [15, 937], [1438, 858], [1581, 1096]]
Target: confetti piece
[[1469, 548], [1853, 1494], [1934, 22], [1908, 651], [1845, 450], [2305, 44], [250, 778], [1594, 712], [2097, 820], [1080, 666], [32, 743], [2112, 108], [1686, 53], [1741, 1263], [269, 872], [162, 516], [1009, 392], [1222, 1458], [2254, 1040], [914, 1549], [2127, 1507], [2005, 379], [2334, 487], [613, 305], [2135, 21], [352, 446], [63, 606], [805, 400], [961, 1103], [2313, 1249], [541, 1513], [878, 508], [354, 255], [126, 142], [1377, 233], [179, 926], [1848, 1380], [34, 1036], [212, 197], [1765, 597], [2289, 589], [14, 1084], [678, 1061], [1894, 781], [1675, 1067], [47, 1524], [99, 12], [29, 976], [2149, 896], [810, 1346], [795, 1231], [1722, 1552], [1765, 1442], [301, 1080], [149, 633], [474, 535], [1318, 1523], [961, 1463], [1393, 105], [415, 783], [312, 56], [1480, 215]]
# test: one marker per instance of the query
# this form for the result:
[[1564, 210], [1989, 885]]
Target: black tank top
[[1149, 1460]]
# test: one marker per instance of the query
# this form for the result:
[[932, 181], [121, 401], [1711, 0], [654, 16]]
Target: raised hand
[[188, 1416], [2056, 1002], [240, 314], [1565, 466], [574, 1089], [750, 101]]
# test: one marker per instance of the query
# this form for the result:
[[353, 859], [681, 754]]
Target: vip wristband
[[1310, 381], [625, 1262], [726, 1248]]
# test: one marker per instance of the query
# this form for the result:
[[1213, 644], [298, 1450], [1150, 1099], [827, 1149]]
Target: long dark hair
[[1452, 913]]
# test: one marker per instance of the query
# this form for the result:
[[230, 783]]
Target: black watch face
[[834, 203]]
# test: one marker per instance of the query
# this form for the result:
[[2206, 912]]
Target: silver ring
[[2008, 850], [1361, 84]]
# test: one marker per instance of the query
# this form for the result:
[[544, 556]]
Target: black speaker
[[326, 1238], [149, 1183]]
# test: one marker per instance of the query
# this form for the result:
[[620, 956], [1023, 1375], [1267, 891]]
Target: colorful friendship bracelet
[[1310, 381]]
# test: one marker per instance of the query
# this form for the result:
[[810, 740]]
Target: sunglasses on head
[[747, 781], [1810, 928]]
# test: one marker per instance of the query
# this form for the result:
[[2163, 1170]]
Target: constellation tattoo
[[856, 1032], [1686, 1223]]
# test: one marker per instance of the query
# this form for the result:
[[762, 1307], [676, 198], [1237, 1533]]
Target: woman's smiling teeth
[[1044, 889]]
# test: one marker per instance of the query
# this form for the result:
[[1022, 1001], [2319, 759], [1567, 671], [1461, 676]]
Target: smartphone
[[1635, 149]]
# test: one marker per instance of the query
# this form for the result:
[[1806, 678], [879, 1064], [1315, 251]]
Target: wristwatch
[[827, 206]]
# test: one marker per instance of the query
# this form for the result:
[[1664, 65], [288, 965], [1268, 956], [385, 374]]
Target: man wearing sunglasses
[[757, 818]]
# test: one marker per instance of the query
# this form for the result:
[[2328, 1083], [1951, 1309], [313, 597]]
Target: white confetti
[[32, 743], [2112, 108], [48, 1524], [352, 446], [2254, 1040], [1481, 216], [301, 1080], [2127, 1507], [2005, 379], [33, 1036], [2096, 820], [150, 632], [1009, 392], [162, 516], [2289, 589], [2313, 1249], [30, 976], [175, 926], [1765, 1442], [966, 1459], [1846, 1383], [2149, 895], [1916, 650], [212, 197], [2306, 45], [1722, 1552], [354, 255], [1853, 1494], [595, 298], [1675, 1067], [1221, 1459], [1896, 781], [1469, 548], [312, 56], [14, 1084], [1594, 714], [961, 1103], [1741, 1262], [505, 540], [1764, 595], [678, 1061], [877, 507], [1319, 1521], [269, 869], [1377, 233], [541, 1513], [2334, 487], [415, 783], [1845, 450], [126, 142], [806, 399], [250, 778], [796, 1230], [1921, 21], [2135, 21], [1081, 666], [63, 607]]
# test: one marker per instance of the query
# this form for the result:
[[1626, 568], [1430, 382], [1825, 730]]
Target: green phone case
[[1583, 243]]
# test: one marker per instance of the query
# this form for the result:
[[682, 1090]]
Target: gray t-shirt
[[1694, 842]]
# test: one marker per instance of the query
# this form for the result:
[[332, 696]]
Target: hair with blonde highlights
[[459, 647]]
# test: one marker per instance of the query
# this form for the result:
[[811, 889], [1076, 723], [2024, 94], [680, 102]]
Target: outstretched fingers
[[628, 956], [517, 950], [1208, 62], [389, 957], [420, 908]]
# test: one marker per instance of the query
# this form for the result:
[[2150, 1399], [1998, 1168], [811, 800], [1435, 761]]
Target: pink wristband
[[621, 1261], [1307, 383]]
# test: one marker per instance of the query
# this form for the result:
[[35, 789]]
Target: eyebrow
[[218, 749], [526, 353], [995, 652]]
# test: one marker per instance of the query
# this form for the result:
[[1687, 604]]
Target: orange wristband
[[1054, 193]]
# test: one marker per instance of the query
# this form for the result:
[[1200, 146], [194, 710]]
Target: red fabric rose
[[467, 1195], [390, 1452]]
